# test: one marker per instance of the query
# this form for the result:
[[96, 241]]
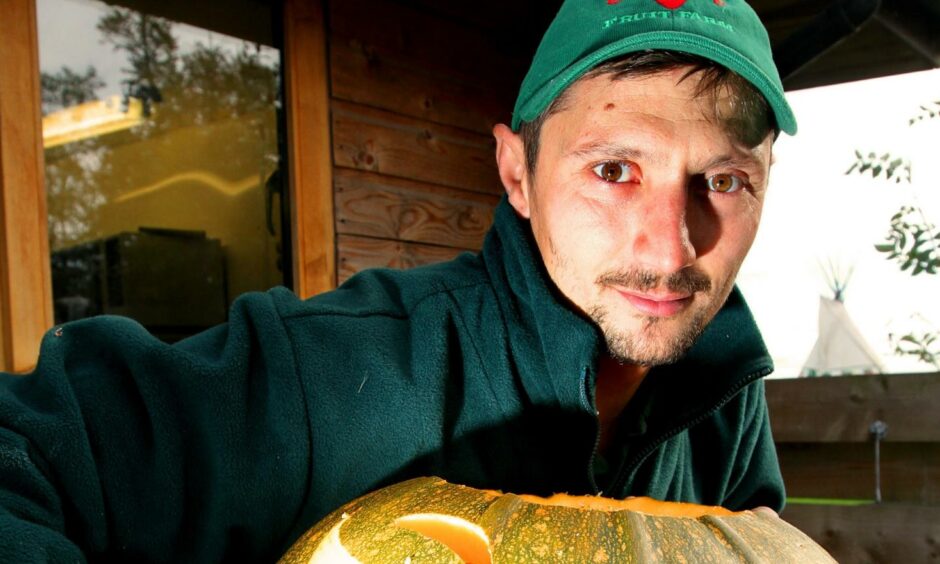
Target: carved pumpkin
[[427, 520]]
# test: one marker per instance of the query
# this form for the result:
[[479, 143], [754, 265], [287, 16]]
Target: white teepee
[[840, 347]]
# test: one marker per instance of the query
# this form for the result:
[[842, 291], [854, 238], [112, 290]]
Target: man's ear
[[510, 160]]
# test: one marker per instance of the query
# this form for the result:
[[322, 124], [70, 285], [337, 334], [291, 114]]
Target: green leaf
[[884, 248]]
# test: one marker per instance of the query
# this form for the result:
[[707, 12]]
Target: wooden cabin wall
[[414, 96]]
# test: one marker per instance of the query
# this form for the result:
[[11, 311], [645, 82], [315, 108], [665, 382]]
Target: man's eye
[[724, 183], [614, 171]]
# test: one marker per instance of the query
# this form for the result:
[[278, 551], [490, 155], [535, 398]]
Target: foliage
[[147, 42], [912, 241], [68, 88], [927, 111], [925, 347], [884, 163], [912, 244]]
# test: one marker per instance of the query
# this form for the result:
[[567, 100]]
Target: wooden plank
[[383, 142], [872, 533], [359, 253], [310, 164], [806, 410], [441, 44], [526, 17], [371, 77], [910, 472], [385, 207], [25, 280]]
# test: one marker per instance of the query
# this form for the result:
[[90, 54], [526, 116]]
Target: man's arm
[[121, 446]]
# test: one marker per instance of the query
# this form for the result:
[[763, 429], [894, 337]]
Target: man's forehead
[[598, 103]]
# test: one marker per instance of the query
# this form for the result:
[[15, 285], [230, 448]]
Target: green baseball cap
[[586, 33]]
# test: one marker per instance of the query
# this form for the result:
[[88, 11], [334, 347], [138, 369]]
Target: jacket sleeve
[[755, 474], [120, 447]]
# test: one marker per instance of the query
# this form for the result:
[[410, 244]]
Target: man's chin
[[656, 342], [632, 351]]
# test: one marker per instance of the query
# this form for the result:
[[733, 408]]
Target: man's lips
[[657, 305]]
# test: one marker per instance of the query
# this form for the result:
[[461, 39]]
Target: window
[[163, 170]]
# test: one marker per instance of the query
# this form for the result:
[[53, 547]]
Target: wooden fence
[[822, 427]]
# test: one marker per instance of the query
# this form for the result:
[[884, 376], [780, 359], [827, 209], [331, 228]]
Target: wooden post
[[25, 280], [309, 155]]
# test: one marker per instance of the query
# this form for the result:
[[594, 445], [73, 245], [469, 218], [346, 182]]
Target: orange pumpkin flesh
[[468, 541], [429, 520]]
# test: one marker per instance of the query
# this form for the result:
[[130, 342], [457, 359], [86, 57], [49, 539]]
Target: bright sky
[[814, 213]]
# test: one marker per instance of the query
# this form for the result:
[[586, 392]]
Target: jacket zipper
[[617, 483], [586, 403]]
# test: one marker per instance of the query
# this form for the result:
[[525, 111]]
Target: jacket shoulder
[[387, 292]]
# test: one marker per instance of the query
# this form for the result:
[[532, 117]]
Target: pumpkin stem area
[[645, 505], [467, 540]]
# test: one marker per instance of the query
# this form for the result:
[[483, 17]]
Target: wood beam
[[309, 156], [25, 280]]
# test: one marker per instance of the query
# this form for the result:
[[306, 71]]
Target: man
[[596, 345]]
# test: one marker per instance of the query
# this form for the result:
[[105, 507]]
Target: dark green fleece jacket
[[229, 445]]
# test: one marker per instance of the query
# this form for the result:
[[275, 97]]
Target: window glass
[[161, 162], [845, 273]]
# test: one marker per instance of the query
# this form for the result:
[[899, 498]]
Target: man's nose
[[663, 243]]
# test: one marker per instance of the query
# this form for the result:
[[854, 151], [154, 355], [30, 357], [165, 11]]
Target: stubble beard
[[648, 346], [655, 342]]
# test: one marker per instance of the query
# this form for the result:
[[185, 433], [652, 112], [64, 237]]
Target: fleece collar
[[556, 349]]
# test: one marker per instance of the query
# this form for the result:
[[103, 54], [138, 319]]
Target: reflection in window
[[161, 166]]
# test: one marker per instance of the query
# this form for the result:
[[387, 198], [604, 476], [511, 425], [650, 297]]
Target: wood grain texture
[[807, 410], [387, 143], [442, 44], [308, 123], [360, 74], [25, 280], [886, 533], [359, 253], [391, 208], [910, 472], [417, 64], [518, 17]]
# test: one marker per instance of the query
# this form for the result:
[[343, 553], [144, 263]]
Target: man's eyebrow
[[606, 149], [748, 159]]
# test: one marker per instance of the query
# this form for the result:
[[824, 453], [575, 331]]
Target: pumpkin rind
[[521, 530]]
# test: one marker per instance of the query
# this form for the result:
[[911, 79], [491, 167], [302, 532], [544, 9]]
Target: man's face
[[643, 208]]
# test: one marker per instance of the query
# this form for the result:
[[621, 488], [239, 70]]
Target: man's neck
[[616, 385]]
